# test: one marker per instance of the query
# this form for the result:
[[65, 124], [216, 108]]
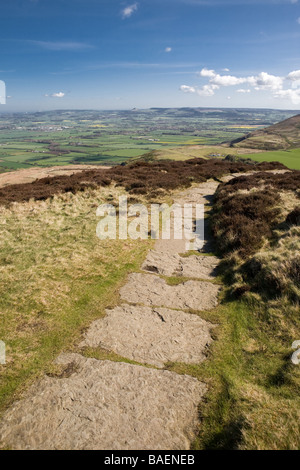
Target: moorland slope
[[57, 278], [283, 135]]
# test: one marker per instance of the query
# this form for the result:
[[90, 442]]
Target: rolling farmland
[[113, 137]]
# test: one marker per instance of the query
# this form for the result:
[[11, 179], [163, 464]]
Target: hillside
[[281, 136], [224, 329]]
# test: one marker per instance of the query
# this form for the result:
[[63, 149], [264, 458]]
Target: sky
[[115, 54]]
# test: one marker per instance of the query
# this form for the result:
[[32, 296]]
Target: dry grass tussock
[[277, 268], [272, 420]]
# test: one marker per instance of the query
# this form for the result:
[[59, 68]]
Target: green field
[[112, 137], [187, 152], [290, 158]]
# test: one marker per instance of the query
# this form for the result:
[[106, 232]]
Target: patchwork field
[[112, 137], [290, 158], [197, 151]]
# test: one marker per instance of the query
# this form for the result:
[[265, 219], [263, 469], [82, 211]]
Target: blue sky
[[111, 54]]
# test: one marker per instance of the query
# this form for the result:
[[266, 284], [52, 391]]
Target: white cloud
[[225, 70], [168, 49], [129, 10], [261, 81], [294, 76], [60, 46], [290, 94], [207, 73], [264, 81], [56, 95], [298, 20], [221, 80], [227, 80], [208, 90], [188, 89]]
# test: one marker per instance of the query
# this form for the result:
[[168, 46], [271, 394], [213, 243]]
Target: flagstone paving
[[194, 266], [105, 405], [148, 289], [151, 335]]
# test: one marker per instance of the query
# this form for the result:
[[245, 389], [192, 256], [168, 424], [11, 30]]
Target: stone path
[[148, 289], [105, 405], [151, 335], [108, 405], [165, 264]]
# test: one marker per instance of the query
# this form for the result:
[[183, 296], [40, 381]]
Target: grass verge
[[56, 278], [253, 400]]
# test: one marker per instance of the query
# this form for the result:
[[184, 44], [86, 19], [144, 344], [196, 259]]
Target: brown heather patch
[[293, 217], [138, 178], [257, 231], [276, 270], [289, 181], [247, 209], [242, 221]]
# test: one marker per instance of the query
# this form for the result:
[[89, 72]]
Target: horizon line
[[145, 109]]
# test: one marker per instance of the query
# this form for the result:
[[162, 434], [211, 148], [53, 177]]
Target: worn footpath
[[106, 405]]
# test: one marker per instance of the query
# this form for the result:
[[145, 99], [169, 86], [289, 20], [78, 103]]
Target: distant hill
[[282, 136], [244, 115]]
